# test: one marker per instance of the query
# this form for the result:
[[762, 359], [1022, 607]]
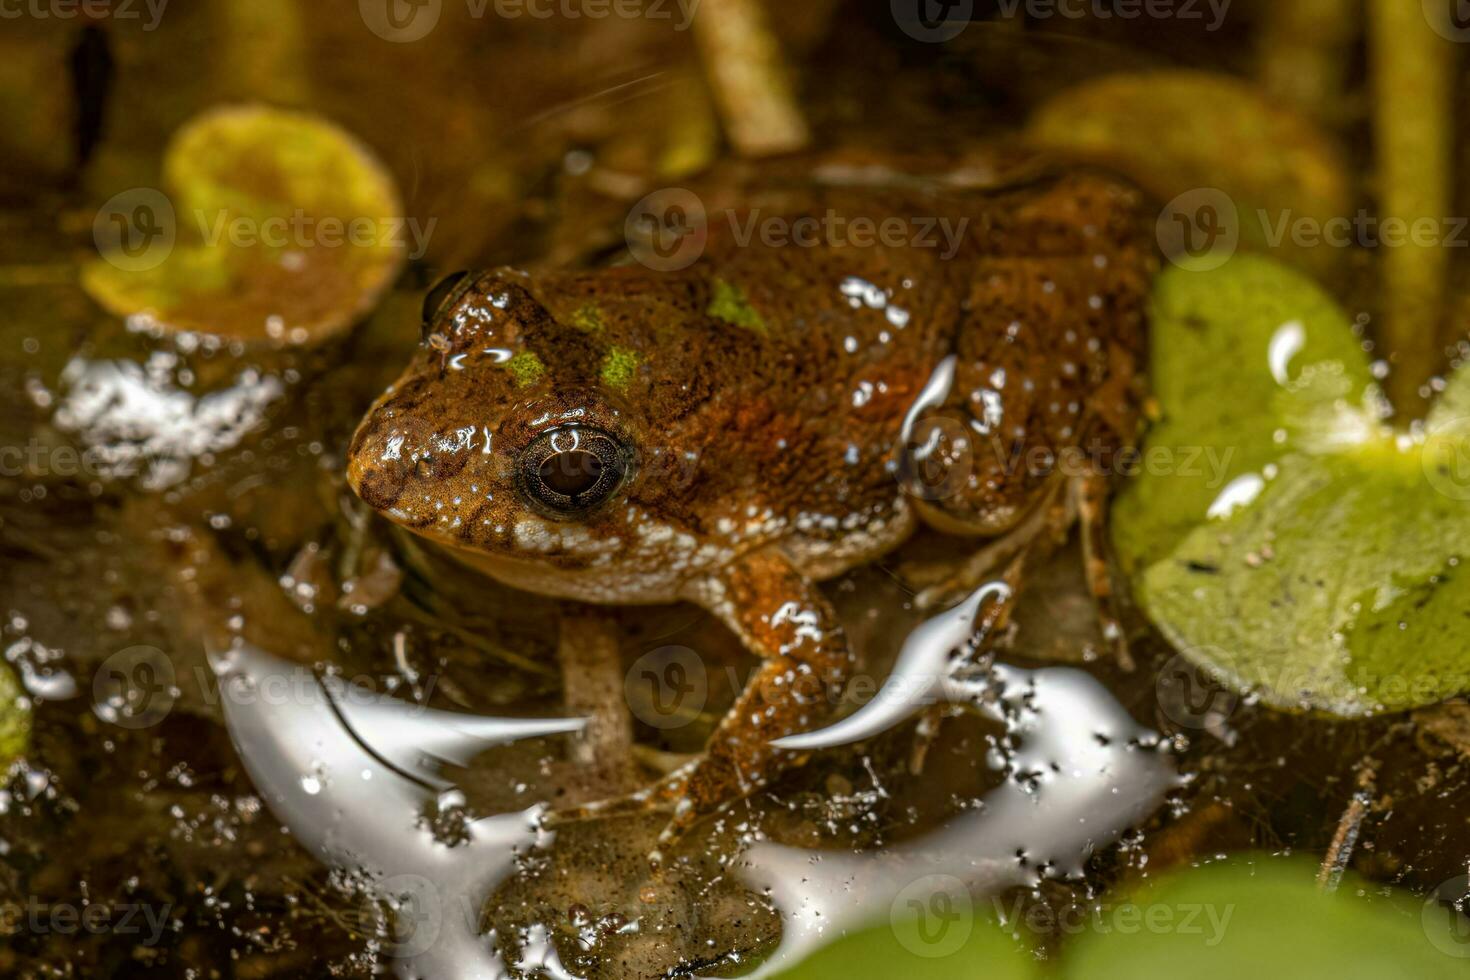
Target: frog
[[736, 430]]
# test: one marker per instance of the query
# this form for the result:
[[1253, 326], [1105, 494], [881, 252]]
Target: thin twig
[[1348, 828]]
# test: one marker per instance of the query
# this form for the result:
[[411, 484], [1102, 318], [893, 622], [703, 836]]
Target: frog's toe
[[662, 797]]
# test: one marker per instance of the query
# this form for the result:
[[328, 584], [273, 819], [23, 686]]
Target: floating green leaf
[[1322, 567], [1212, 338], [900, 950], [1246, 918], [15, 718], [1218, 922], [279, 228]]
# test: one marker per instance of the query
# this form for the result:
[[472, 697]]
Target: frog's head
[[505, 440]]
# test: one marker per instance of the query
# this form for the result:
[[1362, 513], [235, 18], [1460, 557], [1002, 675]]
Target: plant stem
[[1411, 67], [748, 74]]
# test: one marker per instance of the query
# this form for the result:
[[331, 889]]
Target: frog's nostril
[[379, 486], [378, 471]]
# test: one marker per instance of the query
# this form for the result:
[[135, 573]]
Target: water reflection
[[135, 420], [350, 773]]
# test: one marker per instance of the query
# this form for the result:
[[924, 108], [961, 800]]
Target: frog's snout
[[373, 472]]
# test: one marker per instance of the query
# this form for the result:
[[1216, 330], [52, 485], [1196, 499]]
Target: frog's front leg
[[783, 618]]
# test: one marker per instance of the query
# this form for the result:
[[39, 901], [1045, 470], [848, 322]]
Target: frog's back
[[777, 370]]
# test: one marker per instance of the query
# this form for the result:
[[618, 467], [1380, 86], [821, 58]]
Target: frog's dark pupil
[[572, 473]]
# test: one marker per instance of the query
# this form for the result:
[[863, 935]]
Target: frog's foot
[[662, 797], [946, 584]]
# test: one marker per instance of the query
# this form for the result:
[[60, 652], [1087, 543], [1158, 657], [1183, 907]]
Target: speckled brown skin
[[762, 392]]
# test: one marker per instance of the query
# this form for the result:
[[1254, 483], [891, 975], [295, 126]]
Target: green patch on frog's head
[[618, 367], [730, 304], [526, 368], [587, 318]]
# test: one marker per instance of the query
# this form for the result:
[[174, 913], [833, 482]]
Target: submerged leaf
[[1188, 132], [280, 228], [1323, 566]]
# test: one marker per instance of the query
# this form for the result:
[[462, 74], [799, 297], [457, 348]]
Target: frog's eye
[[569, 471], [439, 298]]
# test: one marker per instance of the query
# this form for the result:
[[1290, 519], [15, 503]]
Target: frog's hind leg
[[781, 617]]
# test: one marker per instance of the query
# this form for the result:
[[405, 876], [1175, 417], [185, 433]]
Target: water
[[1077, 770]]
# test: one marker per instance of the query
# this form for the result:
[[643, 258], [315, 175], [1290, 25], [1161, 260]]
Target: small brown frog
[[782, 410]]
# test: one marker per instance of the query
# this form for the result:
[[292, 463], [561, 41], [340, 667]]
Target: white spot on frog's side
[[864, 292], [532, 536], [394, 449], [1237, 493], [860, 292], [863, 394], [1285, 344], [992, 412], [998, 378], [850, 344]]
